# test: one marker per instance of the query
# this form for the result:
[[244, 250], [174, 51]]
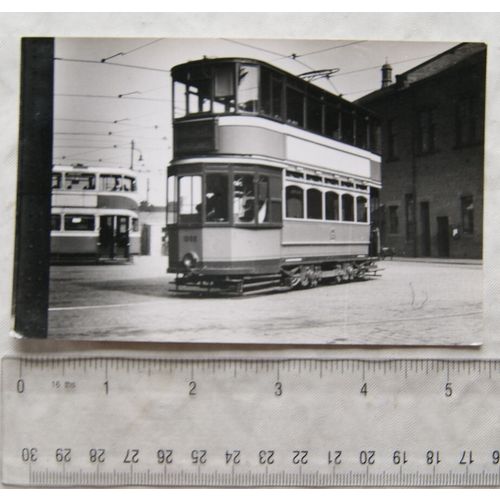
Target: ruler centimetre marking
[[250, 423]]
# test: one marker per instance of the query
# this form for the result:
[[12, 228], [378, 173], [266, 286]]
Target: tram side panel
[[324, 239]]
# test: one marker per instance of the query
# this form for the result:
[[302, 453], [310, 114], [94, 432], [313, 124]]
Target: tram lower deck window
[[244, 198], [294, 202], [347, 207], [362, 209], [189, 195], [79, 222], [331, 206], [216, 194], [314, 204]]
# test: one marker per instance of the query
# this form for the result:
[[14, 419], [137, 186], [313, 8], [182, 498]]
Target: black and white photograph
[[259, 191]]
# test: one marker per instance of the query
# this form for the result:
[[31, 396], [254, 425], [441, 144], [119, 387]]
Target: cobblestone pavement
[[412, 303]]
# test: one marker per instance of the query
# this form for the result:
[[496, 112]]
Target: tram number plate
[[111, 422]]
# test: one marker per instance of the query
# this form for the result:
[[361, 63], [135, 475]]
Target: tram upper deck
[[248, 108]]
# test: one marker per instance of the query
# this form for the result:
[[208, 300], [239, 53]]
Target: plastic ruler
[[119, 421]]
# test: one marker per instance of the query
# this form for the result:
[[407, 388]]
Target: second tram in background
[[272, 182], [94, 214]]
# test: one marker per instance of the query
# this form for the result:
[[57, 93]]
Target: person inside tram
[[215, 207], [244, 194], [117, 186]]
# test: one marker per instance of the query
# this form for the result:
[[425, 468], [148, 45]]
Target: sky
[[112, 91]]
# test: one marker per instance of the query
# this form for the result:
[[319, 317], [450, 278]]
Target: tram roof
[[308, 85], [94, 170]]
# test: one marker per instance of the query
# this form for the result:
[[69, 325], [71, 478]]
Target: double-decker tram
[[94, 214], [272, 181]]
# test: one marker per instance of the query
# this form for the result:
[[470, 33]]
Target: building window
[[314, 204], [347, 207], [331, 206], [294, 202], [468, 122], [392, 152], [467, 203], [426, 131], [410, 216], [393, 219]]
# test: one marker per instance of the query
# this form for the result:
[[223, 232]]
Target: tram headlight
[[189, 260]]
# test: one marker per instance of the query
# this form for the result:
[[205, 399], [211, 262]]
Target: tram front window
[[224, 89], [129, 183], [244, 198], [111, 182], [216, 194], [189, 199], [199, 91]]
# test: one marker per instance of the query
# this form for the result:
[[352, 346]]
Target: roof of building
[[428, 69]]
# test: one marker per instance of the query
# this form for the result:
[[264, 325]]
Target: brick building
[[432, 117]]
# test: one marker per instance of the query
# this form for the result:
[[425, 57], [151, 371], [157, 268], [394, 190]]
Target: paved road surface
[[413, 303]]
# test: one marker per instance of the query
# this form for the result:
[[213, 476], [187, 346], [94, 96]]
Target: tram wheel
[[292, 277], [305, 276]]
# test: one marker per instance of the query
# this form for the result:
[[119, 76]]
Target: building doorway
[[425, 224], [443, 237]]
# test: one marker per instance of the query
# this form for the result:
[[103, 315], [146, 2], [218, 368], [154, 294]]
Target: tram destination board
[[250, 423]]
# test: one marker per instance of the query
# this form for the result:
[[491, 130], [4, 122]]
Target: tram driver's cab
[[209, 205]]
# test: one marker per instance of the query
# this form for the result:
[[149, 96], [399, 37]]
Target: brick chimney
[[386, 75]]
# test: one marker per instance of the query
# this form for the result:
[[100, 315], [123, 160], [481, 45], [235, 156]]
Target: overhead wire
[[105, 59], [105, 63], [98, 96]]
